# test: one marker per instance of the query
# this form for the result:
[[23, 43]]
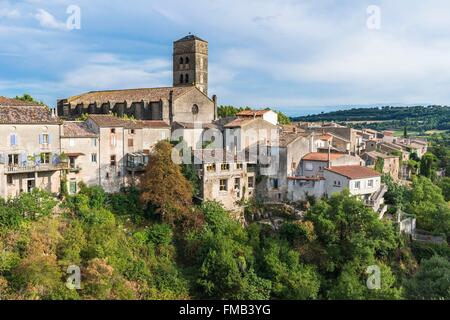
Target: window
[[370, 183], [223, 185], [113, 140], [45, 158], [73, 186], [309, 166], [130, 142], [225, 167], [113, 130], [358, 185], [72, 162], [186, 79], [181, 78], [132, 131], [94, 142], [113, 161], [195, 109], [186, 61], [9, 179], [237, 184], [44, 138], [294, 165], [211, 167], [251, 182], [274, 183], [239, 166], [181, 62], [13, 139], [94, 158], [13, 159]]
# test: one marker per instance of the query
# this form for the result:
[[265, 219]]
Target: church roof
[[190, 37], [130, 95]]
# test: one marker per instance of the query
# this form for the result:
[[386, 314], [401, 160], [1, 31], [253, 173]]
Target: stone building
[[80, 145], [391, 163], [185, 101], [29, 148]]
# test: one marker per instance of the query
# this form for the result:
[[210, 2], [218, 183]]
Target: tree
[[28, 98], [428, 166], [444, 184], [428, 204], [349, 230], [432, 281], [164, 186], [405, 132], [379, 165]]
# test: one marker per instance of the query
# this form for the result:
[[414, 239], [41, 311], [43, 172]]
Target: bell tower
[[190, 63]]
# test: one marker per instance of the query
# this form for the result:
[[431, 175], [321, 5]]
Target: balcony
[[14, 169], [137, 161]]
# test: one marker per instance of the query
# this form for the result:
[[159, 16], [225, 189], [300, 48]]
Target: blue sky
[[296, 56]]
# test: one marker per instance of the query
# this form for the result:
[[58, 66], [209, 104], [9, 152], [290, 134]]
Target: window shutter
[[12, 138], [41, 139], [49, 138], [2, 158], [23, 159]]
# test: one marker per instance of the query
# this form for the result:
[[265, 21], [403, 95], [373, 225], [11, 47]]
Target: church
[[187, 101]]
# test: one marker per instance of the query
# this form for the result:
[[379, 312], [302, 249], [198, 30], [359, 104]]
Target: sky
[[299, 57]]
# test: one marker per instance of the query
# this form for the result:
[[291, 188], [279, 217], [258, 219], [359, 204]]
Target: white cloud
[[47, 20], [9, 13]]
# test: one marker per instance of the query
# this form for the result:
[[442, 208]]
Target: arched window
[[195, 109], [186, 61], [181, 61], [181, 78], [186, 79]]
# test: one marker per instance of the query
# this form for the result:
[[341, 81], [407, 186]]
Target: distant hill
[[416, 117]]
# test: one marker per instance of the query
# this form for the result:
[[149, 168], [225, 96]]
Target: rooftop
[[376, 155], [321, 156], [8, 102], [354, 172], [252, 113], [130, 95], [190, 37], [14, 111], [286, 138], [77, 129]]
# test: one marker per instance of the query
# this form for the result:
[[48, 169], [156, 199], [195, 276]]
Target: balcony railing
[[12, 169]]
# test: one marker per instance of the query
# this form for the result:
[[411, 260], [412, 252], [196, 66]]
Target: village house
[[313, 164], [30, 148], [390, 163], [224, 179], [268, 115]]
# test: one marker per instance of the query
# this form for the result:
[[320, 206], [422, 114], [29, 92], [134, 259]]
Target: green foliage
[[379, 165], [444, 184], [432, 281], [428, 166], [229, 111], [192, 176], [28, 98], [429, 206]]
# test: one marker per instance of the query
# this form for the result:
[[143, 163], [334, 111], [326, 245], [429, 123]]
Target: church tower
[[190, 63]]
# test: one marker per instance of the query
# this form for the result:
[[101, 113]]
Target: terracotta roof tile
[[252, 113], [27, 114], [77, 129], [320, 156], [354, 172], [153, 124], [4, 101]]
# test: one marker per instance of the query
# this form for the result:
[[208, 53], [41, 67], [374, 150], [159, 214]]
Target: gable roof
[[242, 122], [153, 124], [26, 114], [252, 113], [192, 125], [133, 95], [321, 156], [286, 138], [77, 129], [354, 172]]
